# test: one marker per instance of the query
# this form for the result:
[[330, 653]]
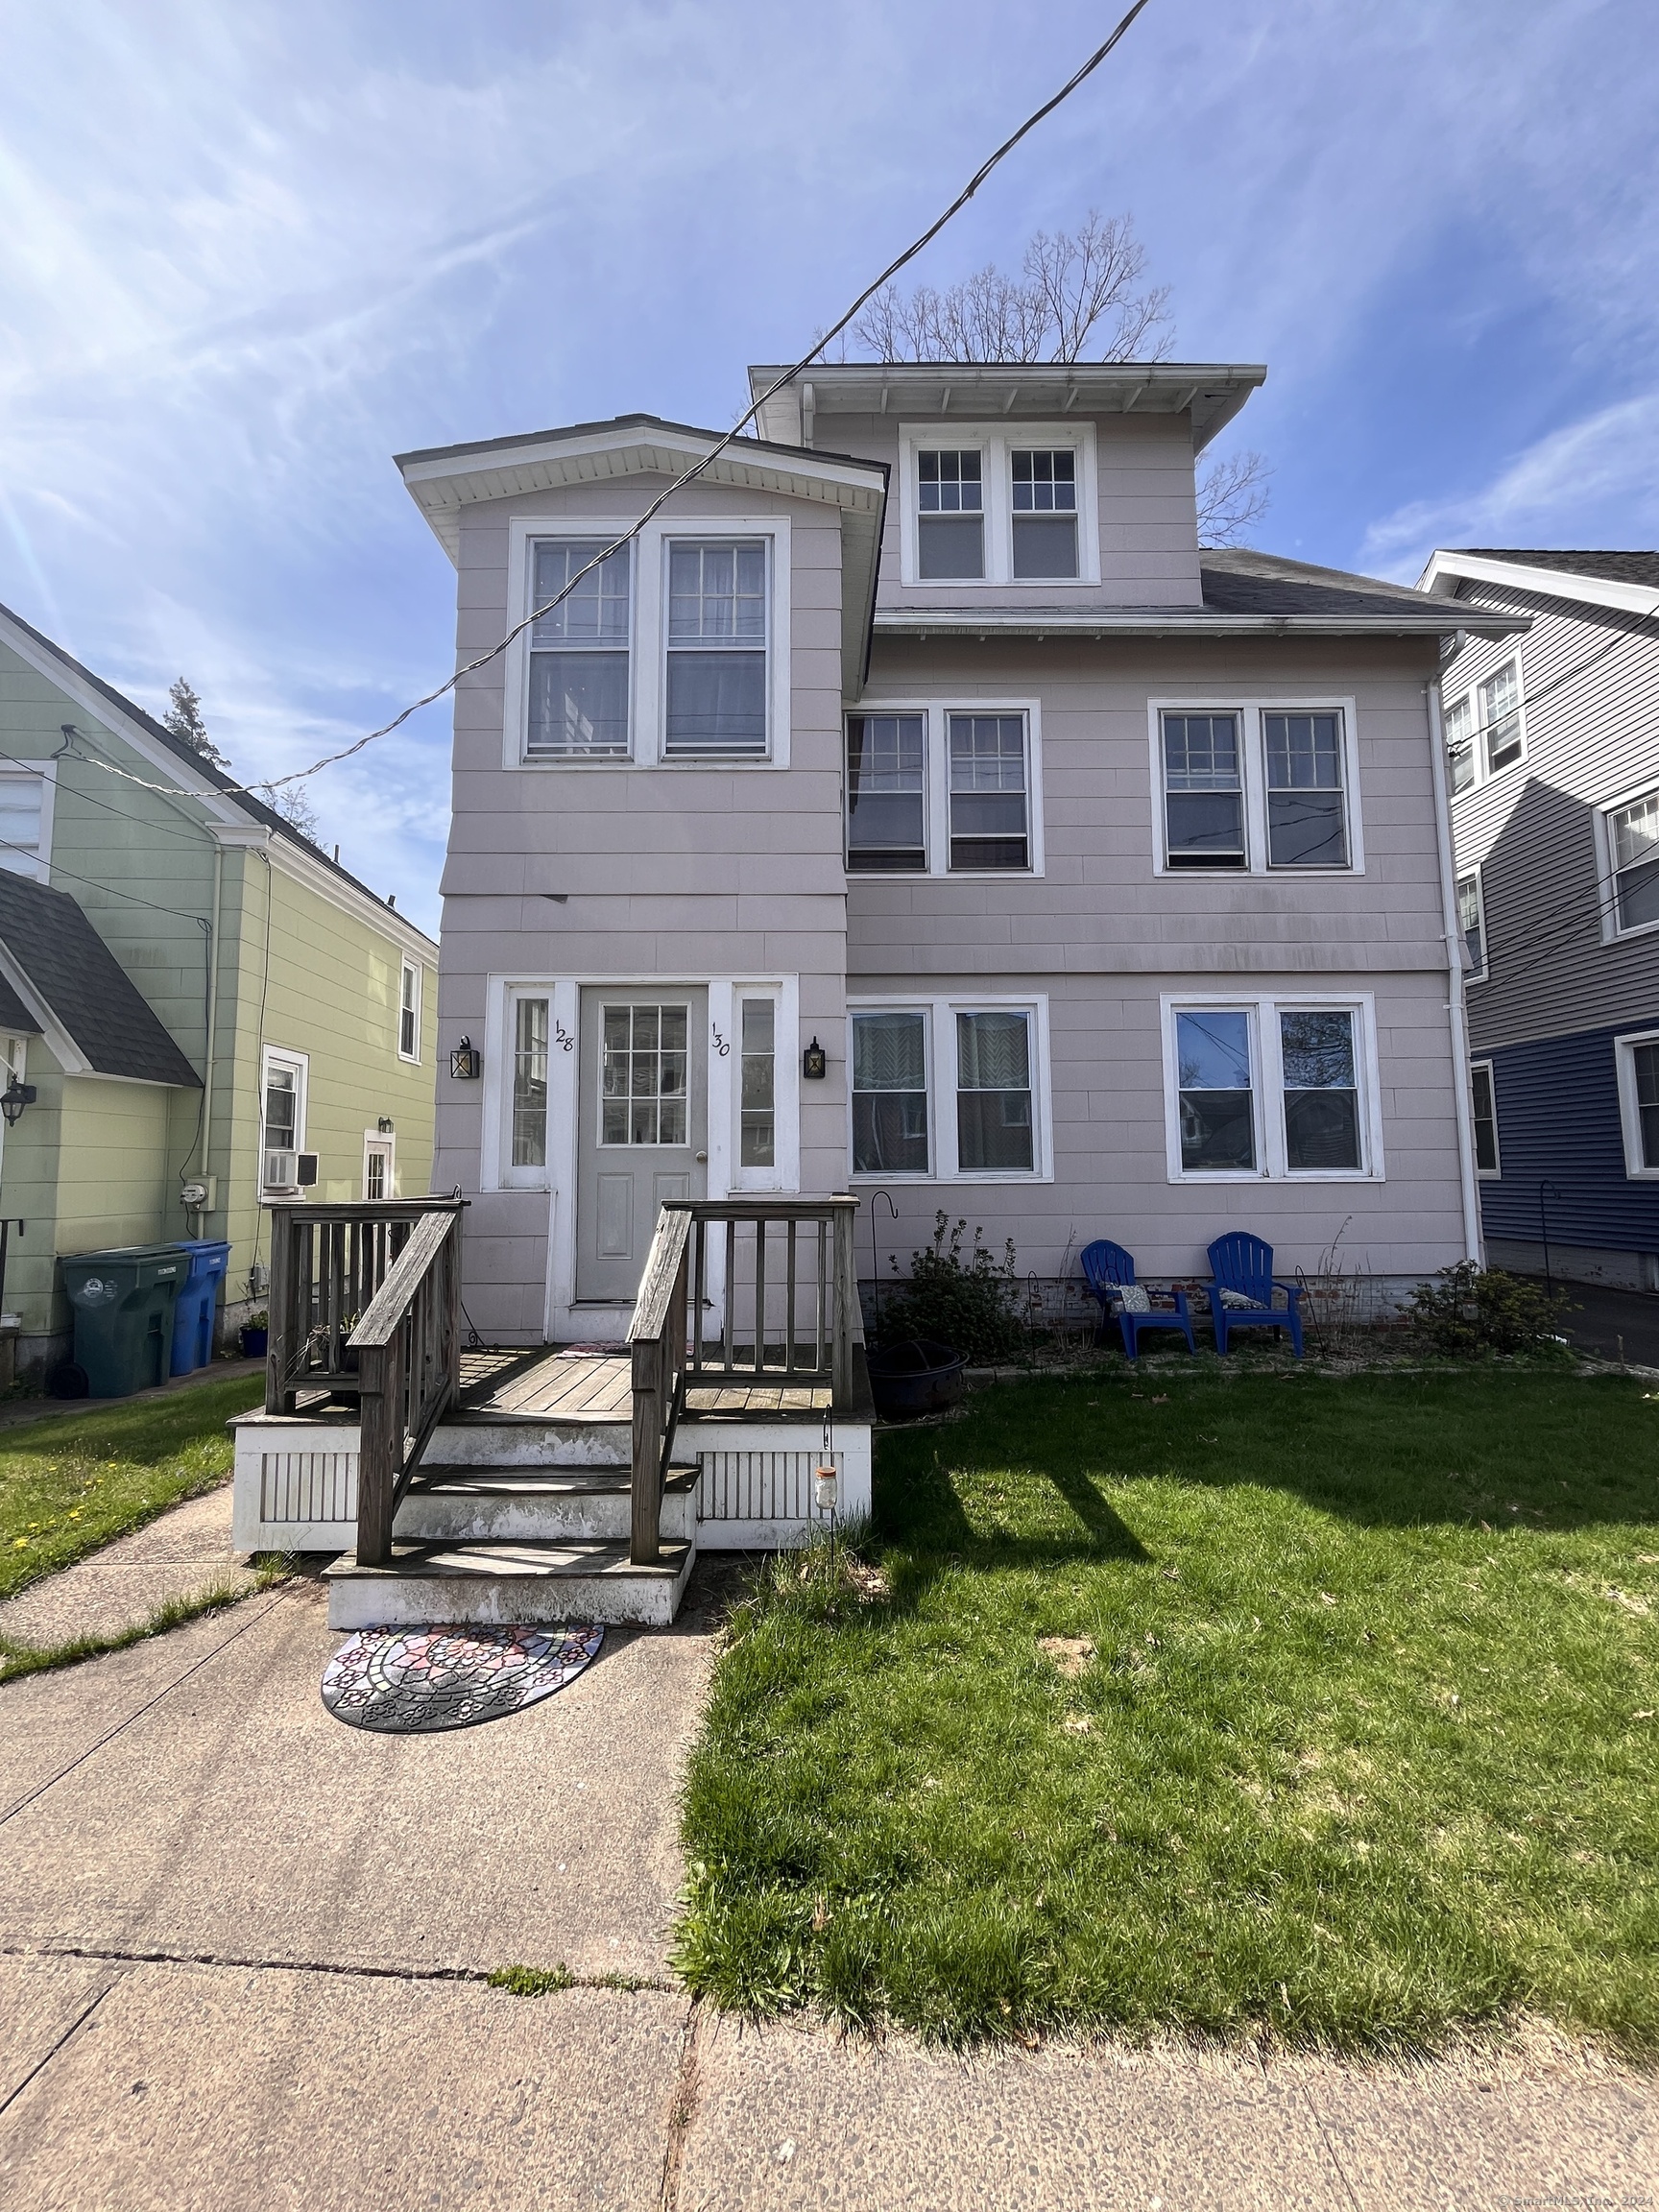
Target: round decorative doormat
[[410, 1681]]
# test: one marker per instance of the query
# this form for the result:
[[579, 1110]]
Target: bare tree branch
[[1070, 283], [1233, 494]]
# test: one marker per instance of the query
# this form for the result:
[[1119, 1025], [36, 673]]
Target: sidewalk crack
[[681, 2110], [80, 2020]]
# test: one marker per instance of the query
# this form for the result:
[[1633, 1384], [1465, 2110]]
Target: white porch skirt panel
[[295, 1485]]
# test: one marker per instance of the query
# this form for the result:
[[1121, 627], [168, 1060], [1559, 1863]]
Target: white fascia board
[[988, 621], [363, 905], [1445, 570], [441, 487], [179, 774], [68, 1055]]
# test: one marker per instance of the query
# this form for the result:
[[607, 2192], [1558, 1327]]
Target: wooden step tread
[[508, 1561]]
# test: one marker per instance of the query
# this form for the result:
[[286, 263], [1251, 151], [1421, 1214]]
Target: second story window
[[989, 824], [1460, 746], [1203, 791], [1472, 921], [579, 653], [886, 799], [1306, 828], [950, 516], [1634, 832], [1044, 514], [21, 809], [1500, 718], [409, 1013], [717, 648]]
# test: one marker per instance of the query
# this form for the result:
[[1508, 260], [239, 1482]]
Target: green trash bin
[[123, 1305]]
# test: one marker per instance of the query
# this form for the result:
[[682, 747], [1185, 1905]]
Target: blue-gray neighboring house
[[1552, 764]]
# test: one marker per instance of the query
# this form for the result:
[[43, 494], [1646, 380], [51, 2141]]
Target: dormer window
[[1044, 514], [949, 516]]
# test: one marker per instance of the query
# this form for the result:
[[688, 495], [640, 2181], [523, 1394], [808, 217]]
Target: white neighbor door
[[641, 1126]]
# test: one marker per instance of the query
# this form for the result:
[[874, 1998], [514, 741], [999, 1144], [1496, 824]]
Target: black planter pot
[[915, 1376]]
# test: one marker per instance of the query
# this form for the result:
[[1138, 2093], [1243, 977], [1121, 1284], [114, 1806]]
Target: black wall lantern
[[466, 1063], [12, 1101], [814, 1063]]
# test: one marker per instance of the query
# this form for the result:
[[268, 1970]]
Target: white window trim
[[936, 789], [277, 1056], [1629, 1114], [1612, 931], [939, 1032], [380, 1141], [406, 969], [1487, 1174], [45, 774], [998, 442], [1267, 1085], [497, 1171], [1253, 753], [647, 642], [1482, 974]]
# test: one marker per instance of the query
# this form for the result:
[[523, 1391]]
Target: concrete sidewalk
[[242, 1952], [183, 1553]]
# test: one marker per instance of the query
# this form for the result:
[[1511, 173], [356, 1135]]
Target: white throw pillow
[[1130, 1298], [1237, 1300]]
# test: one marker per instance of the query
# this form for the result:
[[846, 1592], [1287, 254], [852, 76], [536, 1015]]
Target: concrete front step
[[501, 1584], [560, 1504]]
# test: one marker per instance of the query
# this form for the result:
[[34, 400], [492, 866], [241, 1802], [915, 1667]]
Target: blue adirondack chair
[[1243, 1264], [1108, 1269]]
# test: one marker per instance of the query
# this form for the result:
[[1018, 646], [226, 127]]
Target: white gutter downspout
[[212, 1025], [1451, 932]]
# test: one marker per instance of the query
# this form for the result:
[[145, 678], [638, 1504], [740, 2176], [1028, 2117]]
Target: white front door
[[641, 1126]]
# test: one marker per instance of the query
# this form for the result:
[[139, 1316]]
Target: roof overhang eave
[[1179, 624]]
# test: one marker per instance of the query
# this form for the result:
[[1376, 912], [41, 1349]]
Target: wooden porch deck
[[580, 1382]]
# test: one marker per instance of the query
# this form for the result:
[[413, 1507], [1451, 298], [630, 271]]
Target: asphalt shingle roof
[[66, 961], [1634, 567], [1239, 580]]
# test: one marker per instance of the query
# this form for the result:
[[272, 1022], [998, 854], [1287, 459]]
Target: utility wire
[[1621, 637], [698, 469]]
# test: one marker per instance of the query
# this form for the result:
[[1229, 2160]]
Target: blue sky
[[247, 253]]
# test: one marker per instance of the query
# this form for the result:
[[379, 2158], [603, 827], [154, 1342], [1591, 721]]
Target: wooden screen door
[[642, 1128]]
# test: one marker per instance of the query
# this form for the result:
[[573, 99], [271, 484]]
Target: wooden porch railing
[[408, 1346], [328, 1262], [780, 1274]]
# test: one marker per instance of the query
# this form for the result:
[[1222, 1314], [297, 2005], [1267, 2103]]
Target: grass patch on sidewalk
[[72, 1482], [1347, 1728]]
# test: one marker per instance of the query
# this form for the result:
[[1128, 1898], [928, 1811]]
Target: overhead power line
[[698, 469]]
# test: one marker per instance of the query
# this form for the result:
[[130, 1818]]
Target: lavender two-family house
[[916, 806]]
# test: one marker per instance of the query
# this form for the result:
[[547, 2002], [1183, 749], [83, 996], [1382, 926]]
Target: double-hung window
[[282, 1123], [718, 647], [1269, 1088], [950, 515], [1639, 1101], [1471, 921], [990, 827], [886, 793], [579, 652], [948, 1089], [942, 790], [1305, 819], [409, 1012], [1460, 743], [1633, 834], [890, 1094], [22, 811], [1483, 1109], [1044, 487], [1254, 786], [1203, 791], [1500, 718]]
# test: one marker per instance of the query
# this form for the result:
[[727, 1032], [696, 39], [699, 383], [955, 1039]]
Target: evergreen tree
[[184, 721]]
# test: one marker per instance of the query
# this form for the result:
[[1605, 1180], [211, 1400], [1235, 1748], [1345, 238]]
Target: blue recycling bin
[[198, 1303]]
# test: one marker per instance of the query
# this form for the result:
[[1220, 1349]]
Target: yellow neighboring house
[[200, 1012]]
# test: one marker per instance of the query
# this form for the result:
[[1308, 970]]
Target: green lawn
[[72, 1482], [1368, 1744]]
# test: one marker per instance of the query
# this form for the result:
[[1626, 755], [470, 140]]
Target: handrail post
[[278, 1350], [378, 1451], [846, 1309], [645, 1544]]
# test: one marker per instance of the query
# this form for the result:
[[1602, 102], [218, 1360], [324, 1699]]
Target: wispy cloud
[[1559, 491]]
